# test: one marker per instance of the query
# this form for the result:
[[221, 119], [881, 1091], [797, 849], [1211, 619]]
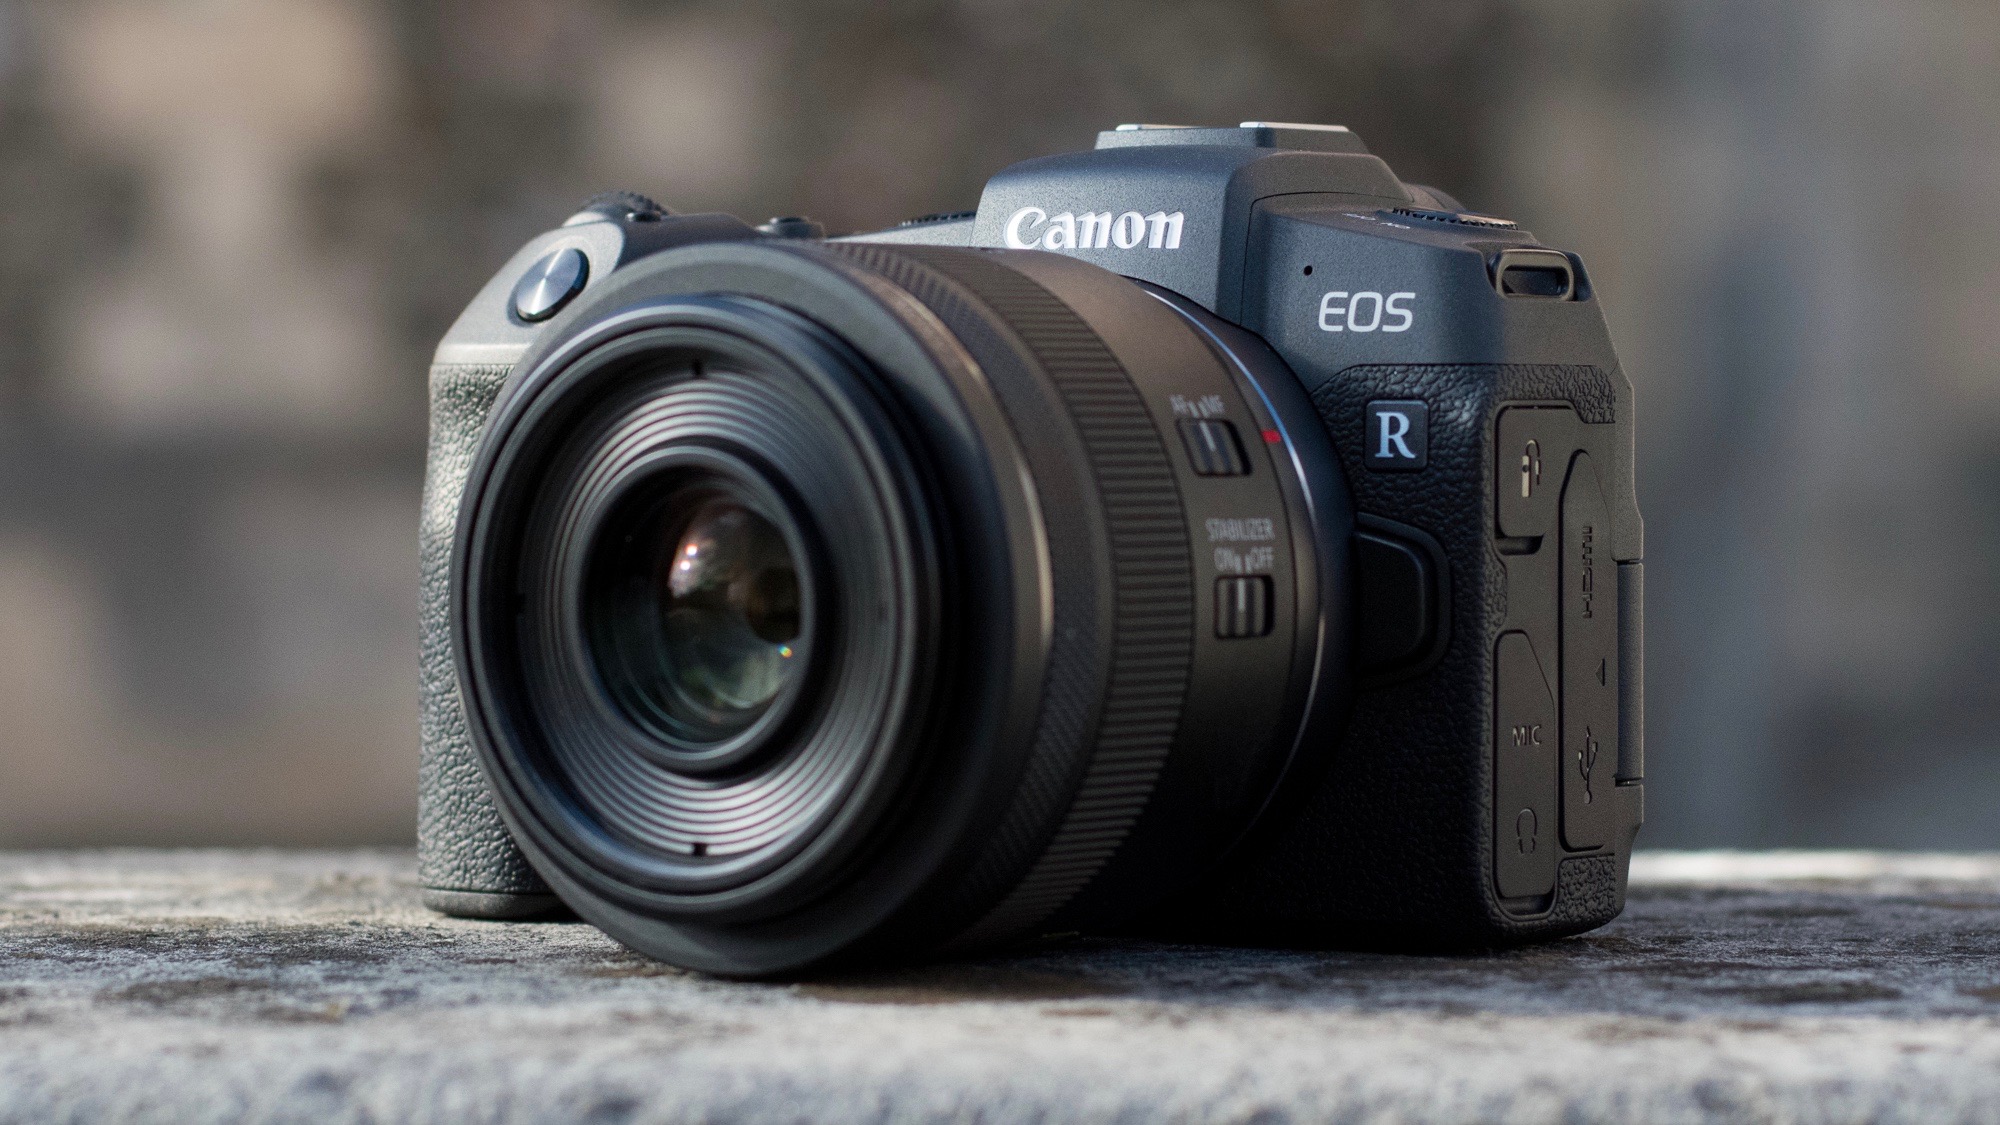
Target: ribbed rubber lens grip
[[1090, 785]]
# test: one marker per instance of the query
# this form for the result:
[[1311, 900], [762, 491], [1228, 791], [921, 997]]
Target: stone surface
[[258, 986]]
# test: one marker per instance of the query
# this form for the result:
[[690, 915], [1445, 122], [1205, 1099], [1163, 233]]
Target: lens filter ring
[[690, 744]]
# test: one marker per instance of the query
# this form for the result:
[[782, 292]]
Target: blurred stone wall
[[1792, 208], [231, 230]]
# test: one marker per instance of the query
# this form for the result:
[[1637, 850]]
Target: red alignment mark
[[1272, 437]]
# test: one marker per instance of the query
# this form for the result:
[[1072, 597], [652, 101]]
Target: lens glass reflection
[[695, 617]]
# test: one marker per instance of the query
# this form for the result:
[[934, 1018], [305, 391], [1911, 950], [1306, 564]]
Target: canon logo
[[1032, 228]]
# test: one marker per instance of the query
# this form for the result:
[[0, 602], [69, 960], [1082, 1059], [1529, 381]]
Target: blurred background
[[232, 230]]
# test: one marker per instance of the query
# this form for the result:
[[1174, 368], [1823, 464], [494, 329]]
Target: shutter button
[[550, 283]]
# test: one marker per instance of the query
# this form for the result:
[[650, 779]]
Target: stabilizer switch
[[1243, 606]]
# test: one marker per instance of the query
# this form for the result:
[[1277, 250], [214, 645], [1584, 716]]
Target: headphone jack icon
[[1531, 468]]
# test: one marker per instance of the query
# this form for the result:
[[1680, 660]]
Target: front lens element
[[695, 616]]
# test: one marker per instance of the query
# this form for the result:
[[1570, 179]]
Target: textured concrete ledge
[[240, 986]]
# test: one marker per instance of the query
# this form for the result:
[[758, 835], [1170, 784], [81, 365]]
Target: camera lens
[[694, 610], [819, 601], [685, 675]]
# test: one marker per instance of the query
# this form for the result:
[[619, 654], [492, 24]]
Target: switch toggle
[[1213, 449], [1243, 606]]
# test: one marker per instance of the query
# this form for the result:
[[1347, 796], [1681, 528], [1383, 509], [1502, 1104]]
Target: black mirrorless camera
[[1211, 535]]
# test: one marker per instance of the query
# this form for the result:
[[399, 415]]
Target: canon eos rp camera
[[1211, 535]]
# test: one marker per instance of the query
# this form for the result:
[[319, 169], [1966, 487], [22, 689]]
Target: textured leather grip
[[467, 862]]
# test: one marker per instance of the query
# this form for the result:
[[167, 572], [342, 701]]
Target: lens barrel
[[822, 601]]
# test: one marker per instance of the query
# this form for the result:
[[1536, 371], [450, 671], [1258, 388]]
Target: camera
[[1211, 536]]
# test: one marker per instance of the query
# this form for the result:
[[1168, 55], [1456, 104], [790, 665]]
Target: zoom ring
[[1152, 580]]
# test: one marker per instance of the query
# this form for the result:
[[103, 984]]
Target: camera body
[[1449, 544]]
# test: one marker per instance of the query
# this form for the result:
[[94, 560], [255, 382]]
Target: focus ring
[[1152, 594]]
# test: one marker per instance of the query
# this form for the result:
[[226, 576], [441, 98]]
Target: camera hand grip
[[467, 862]]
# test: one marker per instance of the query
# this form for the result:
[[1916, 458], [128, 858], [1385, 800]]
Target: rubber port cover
[[1524, 772]]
